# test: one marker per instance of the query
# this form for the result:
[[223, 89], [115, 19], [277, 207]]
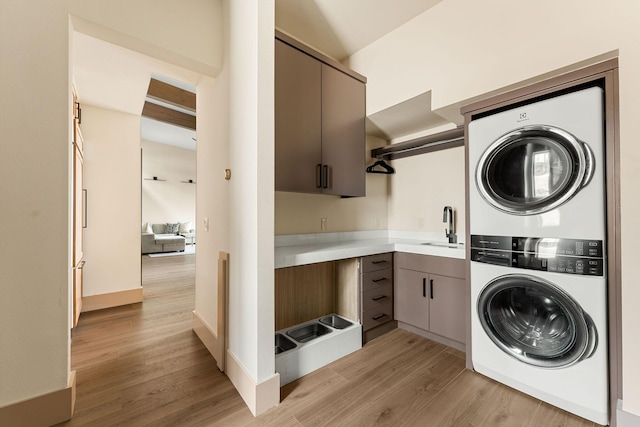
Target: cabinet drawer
[[377, 316], [377, 262], [377, 297], [376, 279]]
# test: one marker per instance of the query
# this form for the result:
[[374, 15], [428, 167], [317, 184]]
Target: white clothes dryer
[[538, 169]]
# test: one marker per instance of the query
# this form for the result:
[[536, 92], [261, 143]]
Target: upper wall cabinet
[[319, 123]]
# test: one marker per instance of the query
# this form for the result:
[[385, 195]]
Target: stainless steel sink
[[336, 322], [283, 344], [308, 332], [444, 245]]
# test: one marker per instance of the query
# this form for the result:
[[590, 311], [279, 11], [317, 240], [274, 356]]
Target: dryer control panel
[[569, 256]]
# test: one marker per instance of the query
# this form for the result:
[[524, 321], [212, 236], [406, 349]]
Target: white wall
[[463, 50], [171, 200], [297, 213], [35, 153], [251, 297], [185, 33], [112, 180]]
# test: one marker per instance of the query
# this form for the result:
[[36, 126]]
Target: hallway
[[141, 364]]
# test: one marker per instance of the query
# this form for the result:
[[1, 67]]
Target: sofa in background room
[[166, 237]]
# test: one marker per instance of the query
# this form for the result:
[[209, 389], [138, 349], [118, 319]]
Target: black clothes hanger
[[387, 169]]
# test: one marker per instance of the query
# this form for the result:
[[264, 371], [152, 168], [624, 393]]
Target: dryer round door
[[536, 322], [533, 169]]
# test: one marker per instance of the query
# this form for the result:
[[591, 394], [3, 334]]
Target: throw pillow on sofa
[[185, 227], [172, 228]]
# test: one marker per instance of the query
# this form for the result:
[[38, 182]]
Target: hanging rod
[[438, 141]]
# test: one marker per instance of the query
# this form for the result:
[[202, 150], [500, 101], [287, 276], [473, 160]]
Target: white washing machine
[[538, 169], [539, 319], [538, 259]]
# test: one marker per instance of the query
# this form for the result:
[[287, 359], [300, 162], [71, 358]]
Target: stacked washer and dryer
[[537, 208]]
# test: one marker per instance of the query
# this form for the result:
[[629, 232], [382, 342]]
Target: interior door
[[79, 214]]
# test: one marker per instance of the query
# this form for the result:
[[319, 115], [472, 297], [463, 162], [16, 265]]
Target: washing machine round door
[[533, 169], [536, 322]]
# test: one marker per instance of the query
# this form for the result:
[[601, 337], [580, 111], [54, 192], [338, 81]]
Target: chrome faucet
[[447, 216]]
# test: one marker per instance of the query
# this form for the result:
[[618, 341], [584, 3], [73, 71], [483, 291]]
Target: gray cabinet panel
[[410, 299], [377, 316], [298, 148], [343, 133], [377, 262], [430, 301], [319, 126], [447, 316], [377, 297]]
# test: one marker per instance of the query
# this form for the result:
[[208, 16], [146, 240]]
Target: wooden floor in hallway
[[141, 365]]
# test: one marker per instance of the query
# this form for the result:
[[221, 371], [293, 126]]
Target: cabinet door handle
[[431, 288], [325, 184], [379, 297], [79, 110], [424, 287], [379, 316], [85, 215], [318, 175], [378, 280]]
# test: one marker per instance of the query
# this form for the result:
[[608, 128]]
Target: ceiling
[[115, 78], [340, 28]]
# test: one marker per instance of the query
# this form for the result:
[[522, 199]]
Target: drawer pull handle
[[379, 316], [379, 280], [378, 262], [378, 298]]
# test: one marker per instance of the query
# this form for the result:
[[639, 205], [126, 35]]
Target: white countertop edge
[[313, 251]]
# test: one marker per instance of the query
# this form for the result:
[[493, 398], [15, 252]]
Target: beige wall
[[212, 190], [171, 200], [112, 180], [185, 33], [462, 51], [422, 186], [297, 213], [35, 154]]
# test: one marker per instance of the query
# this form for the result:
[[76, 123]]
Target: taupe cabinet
[[376, 295], [429, 294], [319, 123]]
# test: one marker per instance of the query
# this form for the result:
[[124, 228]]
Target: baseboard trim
[[45, 410], [209, 339], [113, 299], [626, 419], [258, 397]]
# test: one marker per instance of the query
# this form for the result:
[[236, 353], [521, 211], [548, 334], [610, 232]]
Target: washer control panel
[[569, 256]]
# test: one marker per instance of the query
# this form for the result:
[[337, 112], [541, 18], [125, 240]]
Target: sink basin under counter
[[297, 250]]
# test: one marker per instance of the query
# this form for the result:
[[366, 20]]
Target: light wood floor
[[141, 365]]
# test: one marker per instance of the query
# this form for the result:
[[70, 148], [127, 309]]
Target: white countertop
[[304, 249]]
